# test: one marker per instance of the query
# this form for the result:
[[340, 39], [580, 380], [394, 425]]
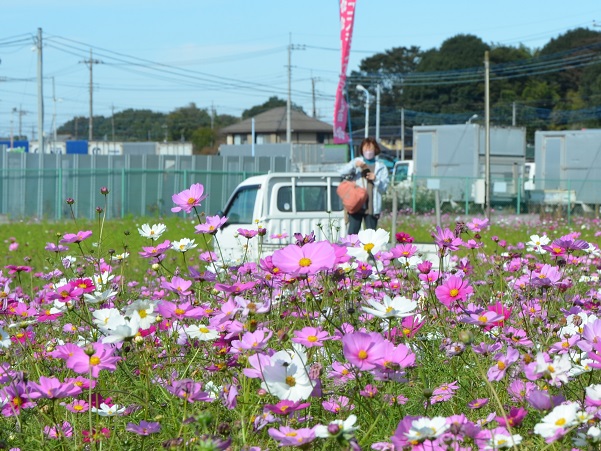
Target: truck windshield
[[241, 209]]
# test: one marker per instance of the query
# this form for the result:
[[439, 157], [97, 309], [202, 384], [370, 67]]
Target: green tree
[[272, 102], [184, 121]]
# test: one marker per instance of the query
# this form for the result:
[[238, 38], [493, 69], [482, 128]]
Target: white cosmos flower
[[426, 428], [399, 307], [557, 370], [287, 377], [103, 279], [108, 411], [563, 416], [201, 332], [370, 242], [183, 245], [153, 232], [122, 332], [99, 297], [119, 257], [108, 318], [4, 339], [503, 441], [143, 310], [536, 242], [345, 427]]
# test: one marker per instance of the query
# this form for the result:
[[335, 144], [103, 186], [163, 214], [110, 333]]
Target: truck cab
[[283, 204]]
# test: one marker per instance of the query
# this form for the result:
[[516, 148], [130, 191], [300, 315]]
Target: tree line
[[555, 87]]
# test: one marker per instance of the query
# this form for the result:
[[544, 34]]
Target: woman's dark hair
[[370, 140]]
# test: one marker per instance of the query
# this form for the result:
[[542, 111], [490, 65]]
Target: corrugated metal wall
[[36, 186]]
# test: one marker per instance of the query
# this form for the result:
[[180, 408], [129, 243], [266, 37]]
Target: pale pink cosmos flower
[[251, 341], [477, 225], [188, 198], [504, 361], [310, 337], [77, 406], [52, 388], [76, 237], [101, 359], [212, 225], [363, 350]]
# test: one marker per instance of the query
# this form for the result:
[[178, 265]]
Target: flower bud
[[70, 201], [104, 190]]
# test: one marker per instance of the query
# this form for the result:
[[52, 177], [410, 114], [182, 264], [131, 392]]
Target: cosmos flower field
[[353, 344]]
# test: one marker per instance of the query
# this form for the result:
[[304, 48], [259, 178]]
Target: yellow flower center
[[203, 329], [362, 354], [312, 338], [304, 262], [560, 422], [483, 319], [179, 311], [94, 360], [291, 434], [501, 365], [291, 381], [454, 292], [142, 313], [191, 201], [78, 407], [368, 247]]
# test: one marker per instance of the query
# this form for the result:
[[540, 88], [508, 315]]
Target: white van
[[284, 204]]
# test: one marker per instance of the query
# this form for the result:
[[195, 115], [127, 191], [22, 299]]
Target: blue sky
[[231, 54]]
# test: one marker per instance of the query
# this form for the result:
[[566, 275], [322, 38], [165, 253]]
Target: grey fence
[[466, 195], [36, 186]]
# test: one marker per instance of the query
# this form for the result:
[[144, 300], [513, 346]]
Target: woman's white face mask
[[369, 154]]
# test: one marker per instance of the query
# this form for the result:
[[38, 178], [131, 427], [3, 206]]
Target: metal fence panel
[[36, 186]]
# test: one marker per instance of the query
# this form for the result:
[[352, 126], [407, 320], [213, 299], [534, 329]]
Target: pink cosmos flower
[[189, 390], [504, 361], [178, 285], [66, 293], [251, 341], [363, 350], [52, 388], [287, 436], [77, 406], [144, 428], [286, 407], [76, 237], [477, 225], [308, 259], [446, 239], [59, 431], [453, 289], [16, 398], [155, 251], [101, 359], [212, 225], [55, 248], [188, 198], [310, 337]]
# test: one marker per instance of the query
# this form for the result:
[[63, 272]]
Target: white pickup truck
[[283, 204]]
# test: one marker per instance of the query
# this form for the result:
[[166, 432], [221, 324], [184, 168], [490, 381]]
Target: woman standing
[[370, 173]]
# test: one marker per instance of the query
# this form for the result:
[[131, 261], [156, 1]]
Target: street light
[[362, 88], [474, 117]]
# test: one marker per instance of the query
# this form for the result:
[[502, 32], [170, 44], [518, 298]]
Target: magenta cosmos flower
[[310, 336], [454, 289], [188, 198], [76, 237], [308, 259]]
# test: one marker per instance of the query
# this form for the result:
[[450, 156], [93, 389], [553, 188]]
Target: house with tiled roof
[[270, 128]]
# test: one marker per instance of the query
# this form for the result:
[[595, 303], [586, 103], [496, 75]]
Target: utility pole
[[313, 96], [289, 101], [378, 112], [487, 130], [113, 123], [40, 93], [91, 63]]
